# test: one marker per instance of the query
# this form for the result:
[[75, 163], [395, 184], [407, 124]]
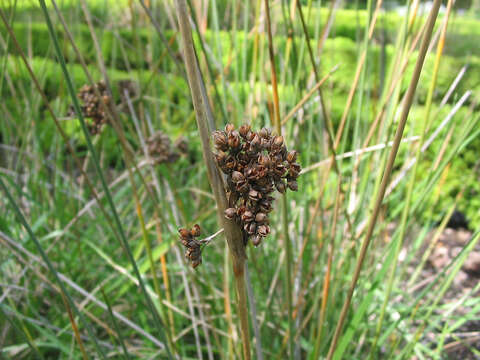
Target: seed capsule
[[256, 240], [254, 195], [293, 185], [193, 244], [279, 170], [244, 130], [264, 160], [237, 177], [230, 213], [278, 141], [234, 140], [229, 128], [292, 156], [260, 217], [247, 216], [250, 228], [196, 262], [241, 210], [263, 230], [255, 143], [184, 233], [242, 187], [294, 170], [281, 187], [220, 140], [265, 206], [195, 230], [264, 133]]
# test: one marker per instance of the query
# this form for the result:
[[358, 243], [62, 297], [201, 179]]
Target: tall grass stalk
[[231, 230], [286, 236], [126, 246], [52, 270], [410, 186], [387, 172]]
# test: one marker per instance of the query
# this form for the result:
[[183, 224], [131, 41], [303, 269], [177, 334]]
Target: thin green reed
[[157, 320], [45, 258]]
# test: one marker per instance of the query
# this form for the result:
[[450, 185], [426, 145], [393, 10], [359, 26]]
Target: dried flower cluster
[[193, 251], [255, 164], [160, 149], [93, 107]]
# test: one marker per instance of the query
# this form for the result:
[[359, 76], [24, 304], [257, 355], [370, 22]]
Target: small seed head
[[237, 177], [256, 240], [292, 156], [230, 213], [184, 233], [195, 230], [220, 140], [293, 185], [281, 187], [244, 130], [263, 230], [260, 217], [254, 195], [247, 216]]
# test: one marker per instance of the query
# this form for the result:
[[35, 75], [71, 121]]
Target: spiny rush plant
[[139, 140]]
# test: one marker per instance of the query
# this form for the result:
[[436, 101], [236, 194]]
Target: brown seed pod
[[292, 156], [230, 213], [184, 233], [256, 240], [277, 142], [293, 185], [263, 230], [250, 228], [254, 195], [260, 217], [193, 249], [234, 140], [280, 186], [160, 148], [237, 177], [244, 130], [247, 216], [195, 230], [220, 140], [255, 164]]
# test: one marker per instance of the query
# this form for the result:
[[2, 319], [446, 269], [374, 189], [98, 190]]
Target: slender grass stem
[[287, 244], [44, 256], [387, 172], [115, 324], [126, 246], [410, 186], [232, 231]]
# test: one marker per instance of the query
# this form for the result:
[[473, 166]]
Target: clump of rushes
[[255, 164], [93, 107], [193, 251], [160, 148]]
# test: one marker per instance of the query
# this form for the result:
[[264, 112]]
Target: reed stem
[[387, 172], [232, 232]]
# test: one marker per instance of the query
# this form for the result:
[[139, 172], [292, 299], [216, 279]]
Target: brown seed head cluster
[[93, 107], [255, 164], [193, 251], [160, 149]]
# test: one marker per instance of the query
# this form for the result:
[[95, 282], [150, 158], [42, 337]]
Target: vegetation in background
[[94, 188]]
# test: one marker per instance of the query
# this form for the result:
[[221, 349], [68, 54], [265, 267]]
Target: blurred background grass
[[231, 43]]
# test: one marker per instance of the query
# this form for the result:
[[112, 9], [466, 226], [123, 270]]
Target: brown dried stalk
[[387, 172], [232, 231]]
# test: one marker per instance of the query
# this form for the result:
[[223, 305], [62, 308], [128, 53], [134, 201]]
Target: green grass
[[60, 225]]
